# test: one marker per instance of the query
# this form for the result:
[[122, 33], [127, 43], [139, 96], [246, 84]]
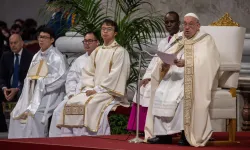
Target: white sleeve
[[150, 68], [73, 77], [99, 89]]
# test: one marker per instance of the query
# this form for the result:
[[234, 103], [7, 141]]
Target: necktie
[[169, 38], [16, 72]]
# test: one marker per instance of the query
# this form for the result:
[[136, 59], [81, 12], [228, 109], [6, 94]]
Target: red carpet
[[112, 142]]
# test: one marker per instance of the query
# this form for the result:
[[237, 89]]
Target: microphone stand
[[137, 139]]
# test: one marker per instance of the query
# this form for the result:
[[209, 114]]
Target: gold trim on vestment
[[79, 109], [85, 87], [84, 125], [113, 92], [110, 66], [37, 76], [96, 54], [188, 87], [189, 84], [111, 61], [39, 67], [76, 109], [23, 117], [114, 44], [106, 47], [101, 113], [63, 119], [86, 103]]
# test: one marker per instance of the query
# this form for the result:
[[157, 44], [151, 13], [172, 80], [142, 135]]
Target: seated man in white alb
[[182, 98], [43, 90], [172, 23], [104, 84], [73, 84]]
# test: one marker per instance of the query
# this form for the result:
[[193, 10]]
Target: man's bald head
[[16, 43], [16, 36]]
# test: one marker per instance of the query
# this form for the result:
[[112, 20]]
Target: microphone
[[153, 55], [173, 43]]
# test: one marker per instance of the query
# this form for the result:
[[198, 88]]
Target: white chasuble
[[106, 73], [43, 90], [194, 90], [201, 66]]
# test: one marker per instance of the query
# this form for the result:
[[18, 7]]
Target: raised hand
[[179, 62]]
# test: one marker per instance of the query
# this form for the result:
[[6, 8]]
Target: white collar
[[45, 53], [112, 45], [20, 52], [86, 54]]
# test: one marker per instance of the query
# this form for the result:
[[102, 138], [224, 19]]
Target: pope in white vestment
[[40, 95], [106, 73], [181, 99]]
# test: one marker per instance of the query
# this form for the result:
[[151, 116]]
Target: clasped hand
[[90, 92], [9, 94]]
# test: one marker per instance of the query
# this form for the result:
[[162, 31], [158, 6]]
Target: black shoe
[[141, 134], [161, 139], [183, 141], [211, 139]]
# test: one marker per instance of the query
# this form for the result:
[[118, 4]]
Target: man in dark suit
[[14, 66]]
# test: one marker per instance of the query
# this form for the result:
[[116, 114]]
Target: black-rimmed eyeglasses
[[88, 41]]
